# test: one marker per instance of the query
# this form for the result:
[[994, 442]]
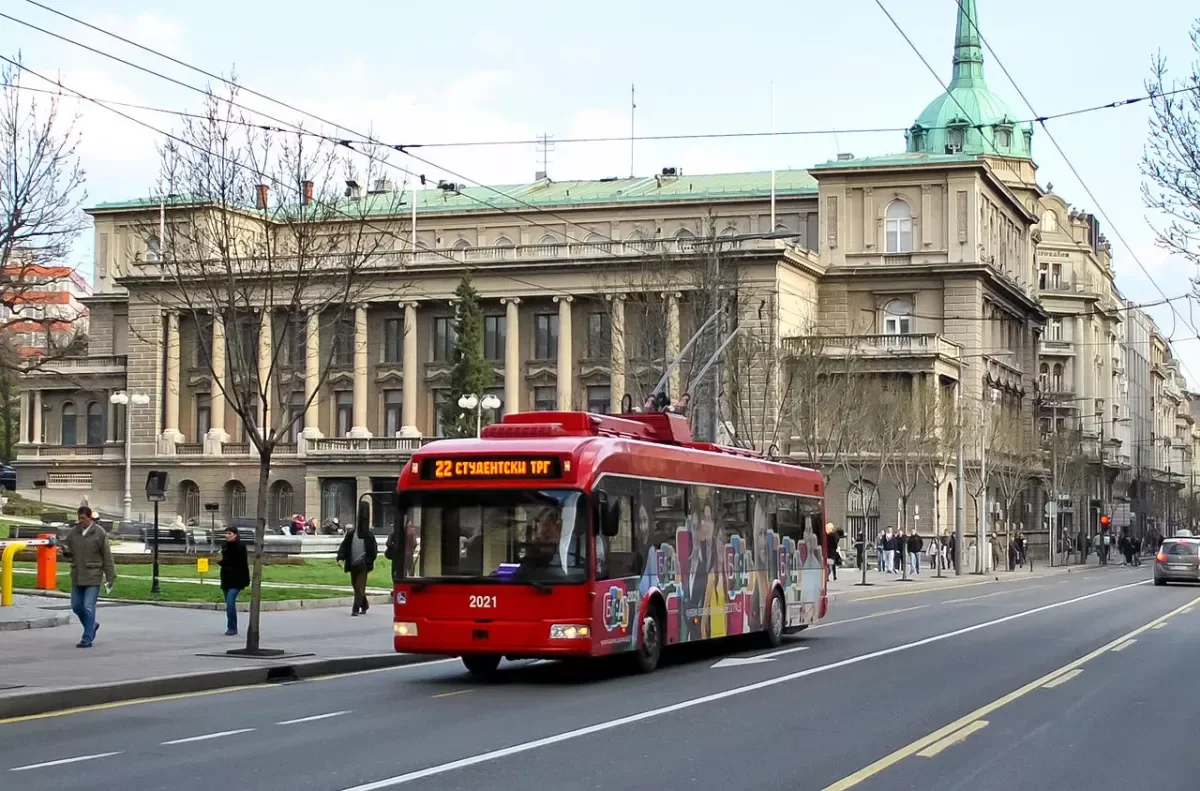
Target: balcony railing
[[99, 364], [70, 450], [339, 445], [922, 345]]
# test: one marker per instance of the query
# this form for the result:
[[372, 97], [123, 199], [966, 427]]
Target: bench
[[166, 539], [200, 539]]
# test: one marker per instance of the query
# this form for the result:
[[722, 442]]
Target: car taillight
[[1161, 557]]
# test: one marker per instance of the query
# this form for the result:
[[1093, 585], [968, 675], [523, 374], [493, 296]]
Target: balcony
[[874, 346], [383, 446], [1056, 285], [92, 371]]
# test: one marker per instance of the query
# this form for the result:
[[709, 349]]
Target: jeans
[[83, 604], [889, 561], [231, 595], [914, 562]]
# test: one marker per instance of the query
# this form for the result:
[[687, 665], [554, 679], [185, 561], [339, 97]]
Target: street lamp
[[471, 402], [126, 400]]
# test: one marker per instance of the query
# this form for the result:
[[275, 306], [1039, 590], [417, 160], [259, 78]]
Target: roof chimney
[[306, 198], [845, 157], [260, 196]]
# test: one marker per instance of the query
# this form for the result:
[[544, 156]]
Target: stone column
[[171, 433], [616, 365], [410, 378], [35, 417], [1081, 362], [359, 427], [512, 355], [566, 365], [673, 385], [312, 376], [23, 434], [266, 387], [217, 432], [110, 428]]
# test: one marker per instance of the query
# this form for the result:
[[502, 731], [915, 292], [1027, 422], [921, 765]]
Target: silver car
[[1178, 560]]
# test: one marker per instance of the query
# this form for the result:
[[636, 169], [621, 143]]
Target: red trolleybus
[[564, 534]]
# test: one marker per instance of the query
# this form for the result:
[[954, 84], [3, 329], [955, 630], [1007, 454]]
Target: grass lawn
[[313, 572], [129, 588], [3, 530]]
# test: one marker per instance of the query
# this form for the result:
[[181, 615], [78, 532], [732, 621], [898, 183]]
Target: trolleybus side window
[[791, 524], [735, 518]]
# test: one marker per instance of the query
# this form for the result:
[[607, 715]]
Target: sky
[[411, 72]]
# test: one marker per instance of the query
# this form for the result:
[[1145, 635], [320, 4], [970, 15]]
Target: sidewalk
[[28, 612], [846, 588], [145, 651]]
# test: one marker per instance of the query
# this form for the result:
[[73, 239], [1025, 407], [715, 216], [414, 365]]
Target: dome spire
[[968, 47]]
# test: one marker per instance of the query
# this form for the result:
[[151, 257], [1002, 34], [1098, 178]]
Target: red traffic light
[[1104, 520]]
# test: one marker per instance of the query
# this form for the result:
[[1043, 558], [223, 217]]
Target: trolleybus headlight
[[405, 629], [568, 631]]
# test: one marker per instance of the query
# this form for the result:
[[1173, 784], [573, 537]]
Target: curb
[[46, 622], [284, 605], [65, 698]]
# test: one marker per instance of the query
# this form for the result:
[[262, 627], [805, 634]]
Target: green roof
[[897, 160], [969, 117], [550, 194]]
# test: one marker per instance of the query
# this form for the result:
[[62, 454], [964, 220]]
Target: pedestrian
[[914, 551], [235, 576], [860, 550], [887, 551], [86, 546], [357, 555], [832, 538]]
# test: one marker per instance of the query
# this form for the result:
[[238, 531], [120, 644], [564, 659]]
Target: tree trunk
[[936, 535], [260, 532]]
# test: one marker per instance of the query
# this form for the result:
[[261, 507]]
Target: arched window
[[189, 502], [1044, 377], [862, 511], [462, 244], [281, 504], [685, 240], [505, 247], [1049, 221], [898, 227], [897, 317], [640, 241], [1056, 379], [549, 246], [95, 424], [598, 244], [235, 501], [153, 250], [69, 420]]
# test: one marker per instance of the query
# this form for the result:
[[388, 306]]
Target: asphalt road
[[971, 688]]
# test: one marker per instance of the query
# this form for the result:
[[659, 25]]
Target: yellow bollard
[[6, 564]]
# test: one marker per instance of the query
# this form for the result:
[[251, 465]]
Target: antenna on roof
[[545, 146], [772, 151], [632, 117]]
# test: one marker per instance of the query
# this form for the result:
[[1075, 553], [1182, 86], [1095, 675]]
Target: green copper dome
[[969, 118]]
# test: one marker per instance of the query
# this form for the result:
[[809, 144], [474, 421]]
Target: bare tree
[[941, 429], [1171, 163], [1016, 458], [41, 194], [260, 245], [901, 424], [979, 429], [823, 373]]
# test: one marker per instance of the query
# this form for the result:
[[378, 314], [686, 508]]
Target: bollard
[[6, 572], [47, 563]]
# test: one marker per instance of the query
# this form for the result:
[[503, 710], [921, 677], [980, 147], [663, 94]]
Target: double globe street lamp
[[126, 400], [471, 402]]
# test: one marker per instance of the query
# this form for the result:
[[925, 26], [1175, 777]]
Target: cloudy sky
[[469, 71]]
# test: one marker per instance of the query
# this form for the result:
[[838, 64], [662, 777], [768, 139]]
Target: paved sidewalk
[[846, 587], [28, 612]]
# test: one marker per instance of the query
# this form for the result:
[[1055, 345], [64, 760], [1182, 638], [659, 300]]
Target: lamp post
[[128, 400], [471, 402]]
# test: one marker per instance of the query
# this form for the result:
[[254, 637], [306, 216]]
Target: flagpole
[[771, 152]]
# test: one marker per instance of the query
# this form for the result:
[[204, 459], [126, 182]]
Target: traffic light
[[1104, 520]]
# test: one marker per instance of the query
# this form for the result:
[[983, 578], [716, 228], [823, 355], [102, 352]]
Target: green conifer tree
[[472, 374]]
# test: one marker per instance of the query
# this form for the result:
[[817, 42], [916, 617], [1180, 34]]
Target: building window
[[897, 317], [281, 504], [1056, 281], [898, 227], [1003, 137], [548, 247], [599, 337], [95, 424], [393, 340], [956, 139], [440, 398], [685, 241], [494, 329], [393, 409], [1044, 377], [545, 399], [445, 339], [153, 250], [343, 407], [203, 415], [599, 399], [862, 511], [235, 501], [69, 420], [504, 247], [1056, 378], [1049, 221], [294, 346], [545, 336], [295, 415], [1043, 276], [462, 245], [1054, 330], [189, 498], [342, 352]]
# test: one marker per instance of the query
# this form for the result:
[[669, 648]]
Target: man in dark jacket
[[86, 546], [235, 576], [357, 554]]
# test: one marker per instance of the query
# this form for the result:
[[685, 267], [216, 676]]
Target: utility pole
[[1054, 499], [959, 497]]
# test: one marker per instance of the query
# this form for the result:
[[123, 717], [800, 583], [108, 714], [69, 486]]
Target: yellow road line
[[1064, 678], [452, 694], [953, 739], [117, 704], [896, 757], [1124, 645]]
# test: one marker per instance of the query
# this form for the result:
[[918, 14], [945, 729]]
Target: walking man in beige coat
[[86, 546]]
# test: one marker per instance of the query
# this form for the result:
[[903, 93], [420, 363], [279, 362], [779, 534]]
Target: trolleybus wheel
[[650, 642], [774, 633], [481, 665]]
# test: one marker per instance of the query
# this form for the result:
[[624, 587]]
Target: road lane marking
[[989, 595], [826, 624], [205, 737], [932, 589], [953, 739], [1188, 610], [62, 761], [452, 694], [1064, 678], [314, 718], [735, 661], [1124, 645], [608, 725], [1159, 625], [896, 757]]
